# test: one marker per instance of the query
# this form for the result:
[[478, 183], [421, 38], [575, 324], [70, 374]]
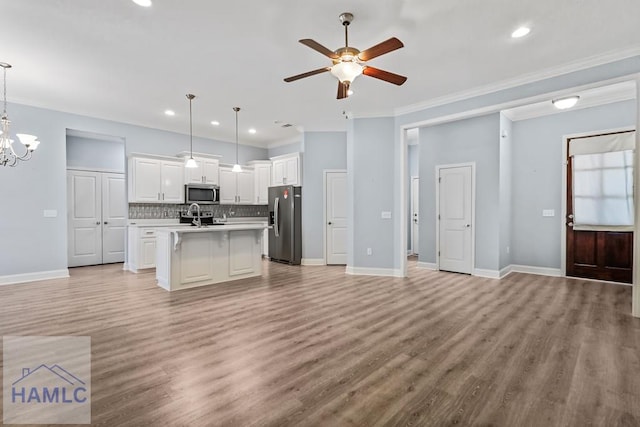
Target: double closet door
[[97, 217]]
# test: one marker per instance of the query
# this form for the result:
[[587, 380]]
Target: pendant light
[[191, 162], [236, 167]]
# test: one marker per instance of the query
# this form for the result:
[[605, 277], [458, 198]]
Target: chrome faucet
[[198, 221]]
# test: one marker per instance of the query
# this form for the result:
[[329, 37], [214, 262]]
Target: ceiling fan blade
[[380, 49], [319, 48], [343, 90], [396, 79], [307, 74]]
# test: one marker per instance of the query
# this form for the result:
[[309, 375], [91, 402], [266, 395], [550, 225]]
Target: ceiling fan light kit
[[349, 62]]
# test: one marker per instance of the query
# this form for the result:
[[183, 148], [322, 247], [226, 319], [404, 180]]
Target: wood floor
[[312, 346]]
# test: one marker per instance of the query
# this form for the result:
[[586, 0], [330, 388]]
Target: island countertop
[[212, 228]]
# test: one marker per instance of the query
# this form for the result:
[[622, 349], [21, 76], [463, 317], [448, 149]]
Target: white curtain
[[603, 182]]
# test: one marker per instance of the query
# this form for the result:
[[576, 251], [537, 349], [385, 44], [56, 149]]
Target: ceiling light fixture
[[520, 32], [236, 167], [170, 112], [143, 3], [215, 123], [191, 162], [565, 103], [8, 156], [252, 131]]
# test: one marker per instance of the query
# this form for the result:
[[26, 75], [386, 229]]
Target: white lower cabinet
[[141, 250]]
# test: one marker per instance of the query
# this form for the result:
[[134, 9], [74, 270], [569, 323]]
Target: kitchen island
[[187, 257]]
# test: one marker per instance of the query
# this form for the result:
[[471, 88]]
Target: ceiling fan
[[349, 62]]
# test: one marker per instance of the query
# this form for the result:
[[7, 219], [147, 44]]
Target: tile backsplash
[[160, 211]]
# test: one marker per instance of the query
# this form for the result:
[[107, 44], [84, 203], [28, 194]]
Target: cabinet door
[[194, 175], [146, 181], [245, 187], [279, 172], [227, 186], [262, 183], [172, 182], [147, 254], [210, 171], [291, 171]]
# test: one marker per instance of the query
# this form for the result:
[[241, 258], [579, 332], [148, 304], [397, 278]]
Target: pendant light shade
[[236, 167], [191, 162]]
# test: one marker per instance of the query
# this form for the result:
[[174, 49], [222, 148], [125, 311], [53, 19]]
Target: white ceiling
[[115, 60]]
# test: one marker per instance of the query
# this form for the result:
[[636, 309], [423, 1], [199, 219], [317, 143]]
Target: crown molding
[[583, 64], [289, 141]]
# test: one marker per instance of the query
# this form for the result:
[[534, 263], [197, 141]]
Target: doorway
[[455, 198], [600, 206], [415, 215], [335, 184]]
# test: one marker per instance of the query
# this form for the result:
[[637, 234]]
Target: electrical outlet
[[369, 251], [50, 213]]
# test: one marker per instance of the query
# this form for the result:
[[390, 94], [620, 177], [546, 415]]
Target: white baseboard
[[505, 271], [312, 261], [365, 271], [489, 274], [427, 265], [34, 277], [543, 271]]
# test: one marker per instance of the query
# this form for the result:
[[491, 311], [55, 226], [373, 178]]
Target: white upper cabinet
[[286, 170], [205, 173], [236, 187], [153, 180], [262, 181]]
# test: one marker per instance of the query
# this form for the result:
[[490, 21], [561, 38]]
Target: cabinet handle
[[162, 196], [97, 222], [158, 196], [105, 223]]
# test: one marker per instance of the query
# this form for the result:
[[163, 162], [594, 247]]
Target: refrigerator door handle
[[276, 219]]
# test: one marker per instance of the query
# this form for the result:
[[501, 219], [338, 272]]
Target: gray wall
[[472, 140], [537, 177], [370, 145], [95, 153], [506, 143], [295, 147], [40, 183], [323, 150]]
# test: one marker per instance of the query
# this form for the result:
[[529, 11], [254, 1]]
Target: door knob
[[467, 225], [105, 223], [97, 222], [570, 224], [329, 223], [570, 216]]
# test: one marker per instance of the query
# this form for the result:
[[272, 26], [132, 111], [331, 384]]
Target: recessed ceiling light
[[252, 131], [520, 32], [215, 123], [143, 3], [170, 112], [564, 103]]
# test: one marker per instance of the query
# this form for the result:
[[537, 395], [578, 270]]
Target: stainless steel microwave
[[203, 194]]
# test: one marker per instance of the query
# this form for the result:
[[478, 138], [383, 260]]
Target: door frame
[[324, 211], [473, 210], [563, 205]]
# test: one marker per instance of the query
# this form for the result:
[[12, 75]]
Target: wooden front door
[[595, 254]]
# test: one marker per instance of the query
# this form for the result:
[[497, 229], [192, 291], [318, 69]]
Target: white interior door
[[114, 217], [336, 214], [415, 218], [455, 218], [84, 215]]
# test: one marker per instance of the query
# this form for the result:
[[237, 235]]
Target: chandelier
[[8, 156]]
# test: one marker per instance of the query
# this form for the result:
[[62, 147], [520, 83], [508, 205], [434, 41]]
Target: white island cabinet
[[190, 257]]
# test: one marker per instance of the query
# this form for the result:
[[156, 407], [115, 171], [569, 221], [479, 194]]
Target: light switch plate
[[50, 213], [385, 215], [548, 212]]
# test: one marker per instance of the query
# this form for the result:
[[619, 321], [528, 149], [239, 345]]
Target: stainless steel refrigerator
[[285, 221]]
